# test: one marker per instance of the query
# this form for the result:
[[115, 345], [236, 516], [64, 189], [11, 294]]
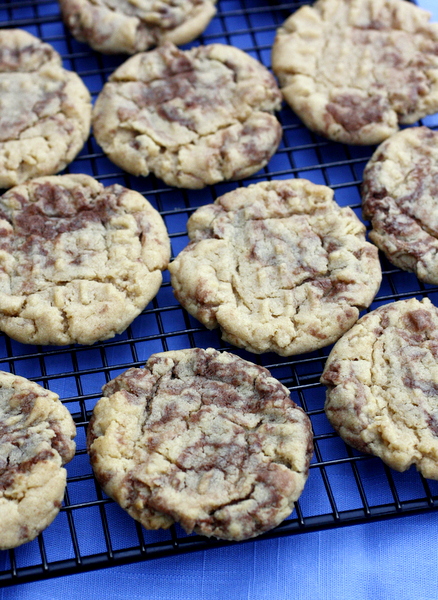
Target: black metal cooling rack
[[344, 486]]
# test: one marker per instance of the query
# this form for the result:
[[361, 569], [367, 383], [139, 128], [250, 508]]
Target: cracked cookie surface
[[382, 379], [399, 196], [36, 440], [78, 262], [278, 266], [354, 70], [45, 110], [112, 26], [202, 438], [192, 118]]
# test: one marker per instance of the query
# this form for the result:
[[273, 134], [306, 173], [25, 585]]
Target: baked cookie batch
[[200, 437]]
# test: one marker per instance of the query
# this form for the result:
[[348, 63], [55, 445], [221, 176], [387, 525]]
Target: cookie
[[36, 440], [128, 27], [193, 118], [45, 110], [78, 262], [399, 196], [278, 266], [354, 70], [201, 438], [382, 379]]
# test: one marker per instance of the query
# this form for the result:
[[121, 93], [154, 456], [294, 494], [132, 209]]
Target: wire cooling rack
[[344, 486]]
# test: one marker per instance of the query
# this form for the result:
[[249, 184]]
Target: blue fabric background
[[389, 560]]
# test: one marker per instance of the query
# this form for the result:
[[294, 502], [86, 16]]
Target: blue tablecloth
[[386, 560]]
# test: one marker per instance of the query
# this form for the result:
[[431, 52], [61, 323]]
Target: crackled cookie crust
[[278, 266], [399, 196], [202, 438], [112, 26], [353, 70], [78, 262], [382, 379], [45, 110], [36, 440], [193, 118]]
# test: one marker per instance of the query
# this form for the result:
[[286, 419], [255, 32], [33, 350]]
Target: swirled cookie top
[[193, 118], [45, 110], [382, 379], [79, 261], [36, 440], [354, 70], [278, 266], [399, 196], [113, 26], [202, 438]]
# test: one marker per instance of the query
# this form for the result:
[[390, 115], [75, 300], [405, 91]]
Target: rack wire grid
[[344, 486]]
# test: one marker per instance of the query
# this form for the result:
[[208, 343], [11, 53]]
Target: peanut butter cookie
[[353, 70], [45, 110], [193, 118], [382, 379], [125, 26], [278, 266], [36, 440], [78, 262], [400, 197], [201, 438]]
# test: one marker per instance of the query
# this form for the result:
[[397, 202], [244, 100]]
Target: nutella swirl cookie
[[78, 262], [353, 70], [125, 26], [278, 266], [45, 110], [382, 379], [400, 197], [36, 440], [193, 118], [201, 438]]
